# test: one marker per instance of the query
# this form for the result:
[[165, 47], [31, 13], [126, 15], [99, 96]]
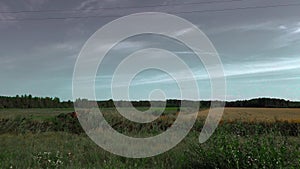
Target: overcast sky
[[259, 47]]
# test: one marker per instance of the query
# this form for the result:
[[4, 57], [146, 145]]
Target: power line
[[110, 8], [242, 8], [180, 12]]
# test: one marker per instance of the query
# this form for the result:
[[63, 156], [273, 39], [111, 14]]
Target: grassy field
[[230, 114], [246, 138], [38, 114]]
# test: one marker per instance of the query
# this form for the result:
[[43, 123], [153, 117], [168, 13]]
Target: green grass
[[51, 143], [223, 150], [34, 113], [75, 151], [41, 114]]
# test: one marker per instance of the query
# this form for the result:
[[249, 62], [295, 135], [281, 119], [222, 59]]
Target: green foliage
[[45, 140], [225, 150], [66, 122]]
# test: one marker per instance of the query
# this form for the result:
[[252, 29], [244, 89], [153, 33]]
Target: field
[[259, 114], [246, 138]]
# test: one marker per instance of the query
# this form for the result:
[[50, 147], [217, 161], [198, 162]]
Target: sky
[[258, 42]]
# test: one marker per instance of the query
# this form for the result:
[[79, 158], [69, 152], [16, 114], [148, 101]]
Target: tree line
[[110, 103], [28, 101], [264, 102]]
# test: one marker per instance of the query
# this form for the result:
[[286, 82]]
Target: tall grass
[[58, 142]]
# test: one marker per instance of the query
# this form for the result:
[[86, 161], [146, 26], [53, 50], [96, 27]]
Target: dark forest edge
[[28, 101]]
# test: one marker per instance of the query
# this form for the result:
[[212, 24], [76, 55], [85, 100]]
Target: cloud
[[88, 4], [288, 37], [244, 27], [274, 79], [296, 31], [33, 4], [282, 27], [259, 67], [231, 70], [5, 16], [68, 46], [27, 5], [183, 31]]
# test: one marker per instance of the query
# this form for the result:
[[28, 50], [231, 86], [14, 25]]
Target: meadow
[[245, 138]]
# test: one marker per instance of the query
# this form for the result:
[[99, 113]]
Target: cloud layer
[[259, 47]]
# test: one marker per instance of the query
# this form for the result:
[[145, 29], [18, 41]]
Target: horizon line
[[245, 99]]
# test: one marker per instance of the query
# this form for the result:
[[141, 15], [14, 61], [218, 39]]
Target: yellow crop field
[[258, 114]]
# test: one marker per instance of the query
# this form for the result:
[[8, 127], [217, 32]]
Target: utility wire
[[110, 8], [180, 12]]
